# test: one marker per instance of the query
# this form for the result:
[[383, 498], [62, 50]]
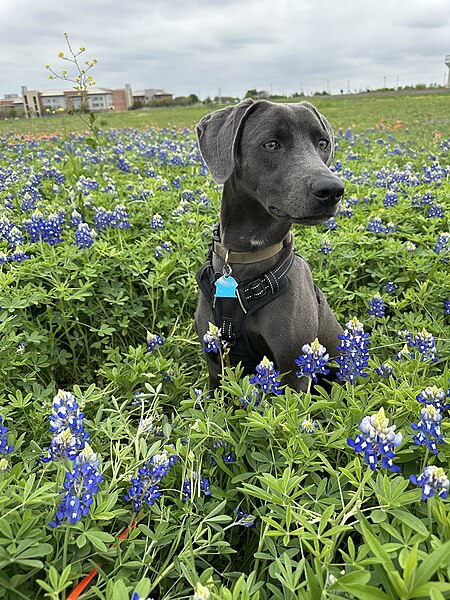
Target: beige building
[[37, 104]]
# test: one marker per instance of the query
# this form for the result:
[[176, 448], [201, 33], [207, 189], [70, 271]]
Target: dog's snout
[[328, 190]]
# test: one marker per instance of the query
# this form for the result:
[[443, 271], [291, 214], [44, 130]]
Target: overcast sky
[[199, 46]]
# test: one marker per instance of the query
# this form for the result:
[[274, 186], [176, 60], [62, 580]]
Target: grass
[[416, 111]]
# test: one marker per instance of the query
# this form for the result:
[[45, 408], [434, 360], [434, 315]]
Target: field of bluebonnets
[[113, 455]]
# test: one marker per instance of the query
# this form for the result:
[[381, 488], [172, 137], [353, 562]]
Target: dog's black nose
[[329, 190]]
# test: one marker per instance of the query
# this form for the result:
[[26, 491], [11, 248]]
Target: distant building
[[11, 101], [150, 94], [36, 104]]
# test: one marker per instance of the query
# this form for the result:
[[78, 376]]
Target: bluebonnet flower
[[307, 425], [212, 339], [391, 287], [325, 247], [390, 199], [18, 256], [447, 307], [432, 480], [120, 217], [4, 466], [410, 246], [84, 236], [157, 222], [14, 237], [442, 245], [5, 447], [243, 518], [153, 340], [203, 486], [390, 228], [377, 440], [424, 342], [145, 486], [49, 229], [376, 306], [385, 370], [266, 377], [376, 226], [67, 425], [313, 361], [75, 218], [228, 458], [80, 486], [434, 396], [435, 211], [428, 429], [353, 352], [102, 218], [331, 223]]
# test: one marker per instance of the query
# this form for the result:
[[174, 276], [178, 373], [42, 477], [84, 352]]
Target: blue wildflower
[[435, 211], [353, 352], [75, 218], [376, 226], [157, 222], [325, 247], [212, 339], [442, 245], [153, 340], [376, 306], [331, 223], [377, 440], [391, 287], [386, 371], [102, 218], [84, 236], [307, 425], [313, 361], [424, 342], [203, 483], [434, 396], [145, 486], [5, 447], [447, 307], [432, 480], [266, 377], [120, 218], [67, 425], [390, 199], [243, 518], [428, 429], [80, 485], [228, 458]]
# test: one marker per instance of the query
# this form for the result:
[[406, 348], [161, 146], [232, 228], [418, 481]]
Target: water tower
[[447, 62]]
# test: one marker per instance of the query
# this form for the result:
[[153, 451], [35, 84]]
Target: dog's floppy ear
[[217, 135], [326, 126]]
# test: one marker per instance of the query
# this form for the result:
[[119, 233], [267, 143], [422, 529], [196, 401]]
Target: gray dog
[[273, 161]]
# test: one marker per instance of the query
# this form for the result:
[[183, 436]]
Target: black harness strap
[[230, 314]]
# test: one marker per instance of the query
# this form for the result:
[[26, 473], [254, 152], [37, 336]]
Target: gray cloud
[[201, 45]]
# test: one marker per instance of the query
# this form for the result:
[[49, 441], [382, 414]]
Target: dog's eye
[[323, 144], [271, 145]]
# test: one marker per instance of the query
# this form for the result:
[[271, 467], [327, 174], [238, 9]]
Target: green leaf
[[411, 521], [437, 559]]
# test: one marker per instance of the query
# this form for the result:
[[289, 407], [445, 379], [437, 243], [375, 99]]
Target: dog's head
[[279, 154]]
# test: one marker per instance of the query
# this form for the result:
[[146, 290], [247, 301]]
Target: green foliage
[[326, 526]]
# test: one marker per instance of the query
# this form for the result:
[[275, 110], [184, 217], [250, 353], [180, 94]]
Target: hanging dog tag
[[226, 287]]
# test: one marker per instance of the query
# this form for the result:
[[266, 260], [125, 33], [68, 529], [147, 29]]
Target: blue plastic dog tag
[[226, 287]]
